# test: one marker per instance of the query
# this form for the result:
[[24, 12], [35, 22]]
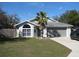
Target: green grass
[[33, 48]]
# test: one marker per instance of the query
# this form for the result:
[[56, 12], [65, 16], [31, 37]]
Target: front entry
[[39, 32]]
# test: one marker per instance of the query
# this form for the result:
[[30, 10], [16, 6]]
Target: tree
[[70, 17], [12, 20], [7, 21], [41, 18]]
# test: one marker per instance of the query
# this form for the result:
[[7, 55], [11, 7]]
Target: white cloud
[[60, 8]]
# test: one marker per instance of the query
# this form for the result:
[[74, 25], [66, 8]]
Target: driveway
[[71, 44]]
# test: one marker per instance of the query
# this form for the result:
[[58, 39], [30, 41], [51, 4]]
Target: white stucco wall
[[68, 32], [45, 32]]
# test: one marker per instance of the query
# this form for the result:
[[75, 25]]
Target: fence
[[8, 32]]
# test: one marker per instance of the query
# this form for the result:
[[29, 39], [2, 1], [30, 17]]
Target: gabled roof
[[21, 23], [50, 23]]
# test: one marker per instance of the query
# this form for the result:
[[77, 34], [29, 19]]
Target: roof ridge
[[53, 20]]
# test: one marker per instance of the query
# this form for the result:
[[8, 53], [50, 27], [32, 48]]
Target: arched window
[[26, 30], [26, 26]]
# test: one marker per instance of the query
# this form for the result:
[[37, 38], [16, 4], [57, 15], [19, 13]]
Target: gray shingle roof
[[57, 24]]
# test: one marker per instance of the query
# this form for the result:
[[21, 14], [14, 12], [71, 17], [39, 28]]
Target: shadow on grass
[[4, 40]]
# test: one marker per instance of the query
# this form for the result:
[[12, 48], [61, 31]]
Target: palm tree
[[41, 18]]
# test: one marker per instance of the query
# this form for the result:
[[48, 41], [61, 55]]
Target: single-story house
[[53, 29]]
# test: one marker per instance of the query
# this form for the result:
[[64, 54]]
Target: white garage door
[[57, 32]]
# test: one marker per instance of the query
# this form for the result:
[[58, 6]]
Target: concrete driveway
[[71, 44]]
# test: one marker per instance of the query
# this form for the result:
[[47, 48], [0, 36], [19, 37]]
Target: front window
[[26, 30]]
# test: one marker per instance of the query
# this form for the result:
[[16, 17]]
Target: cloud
[[60, 8]]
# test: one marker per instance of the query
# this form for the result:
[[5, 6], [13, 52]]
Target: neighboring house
[[53, 29]]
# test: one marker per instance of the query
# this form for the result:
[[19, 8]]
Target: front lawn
[[33, 47]]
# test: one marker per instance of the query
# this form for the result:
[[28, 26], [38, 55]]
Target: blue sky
[[28, 10]]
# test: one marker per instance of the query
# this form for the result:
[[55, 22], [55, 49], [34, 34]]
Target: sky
[[28, 10]]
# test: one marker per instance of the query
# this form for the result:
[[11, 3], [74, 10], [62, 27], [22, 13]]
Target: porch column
[[17, 32], [45, 32], [68, 32], [32, 31]]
